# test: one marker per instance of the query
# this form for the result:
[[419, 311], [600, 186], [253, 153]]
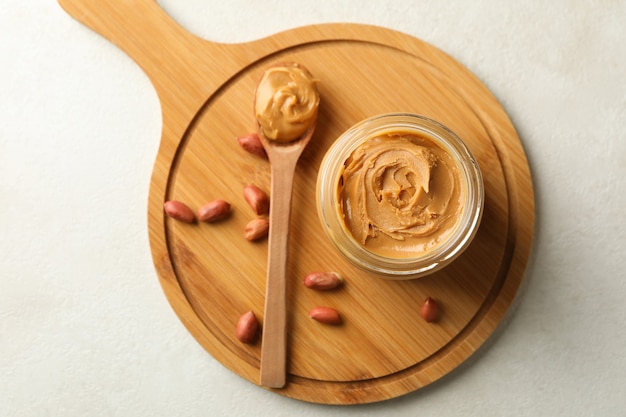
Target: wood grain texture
[[211, 274]]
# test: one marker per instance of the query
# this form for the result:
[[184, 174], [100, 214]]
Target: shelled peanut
[[178, 210], [247, 328], [214, 211], [323, 281], [252, 143], [429, 310], [256, 229], [257, 199], [326, 315]]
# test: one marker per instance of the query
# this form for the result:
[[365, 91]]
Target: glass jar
[[418, 263]]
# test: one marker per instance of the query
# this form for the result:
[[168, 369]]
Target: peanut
[[322, 281], [326, 315], [257, 229], [214, 210], [247, 328], [257, 199], [179, 211], [252, 144], [429, 310]]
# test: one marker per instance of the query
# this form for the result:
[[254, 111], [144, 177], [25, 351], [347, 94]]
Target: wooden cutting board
[[211, 274]]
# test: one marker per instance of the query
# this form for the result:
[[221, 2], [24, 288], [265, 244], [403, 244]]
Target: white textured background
[[85, 329]]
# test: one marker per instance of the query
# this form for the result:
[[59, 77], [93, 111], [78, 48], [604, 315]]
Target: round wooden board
[[211, 274]]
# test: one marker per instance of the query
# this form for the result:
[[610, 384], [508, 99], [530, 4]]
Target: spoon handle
[[274, 347]]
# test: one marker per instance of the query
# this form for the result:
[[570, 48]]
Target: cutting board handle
[[167, 53]]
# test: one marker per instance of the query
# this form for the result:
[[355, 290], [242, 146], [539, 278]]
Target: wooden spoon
[[283, 158]]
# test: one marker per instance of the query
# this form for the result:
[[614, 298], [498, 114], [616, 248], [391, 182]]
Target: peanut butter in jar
[[400, 195]]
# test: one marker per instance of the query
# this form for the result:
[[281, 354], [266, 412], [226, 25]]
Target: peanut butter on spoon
[[285, 104]]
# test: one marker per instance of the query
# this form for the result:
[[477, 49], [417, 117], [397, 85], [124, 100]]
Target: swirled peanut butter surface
[[400, 195], [286, 102]]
